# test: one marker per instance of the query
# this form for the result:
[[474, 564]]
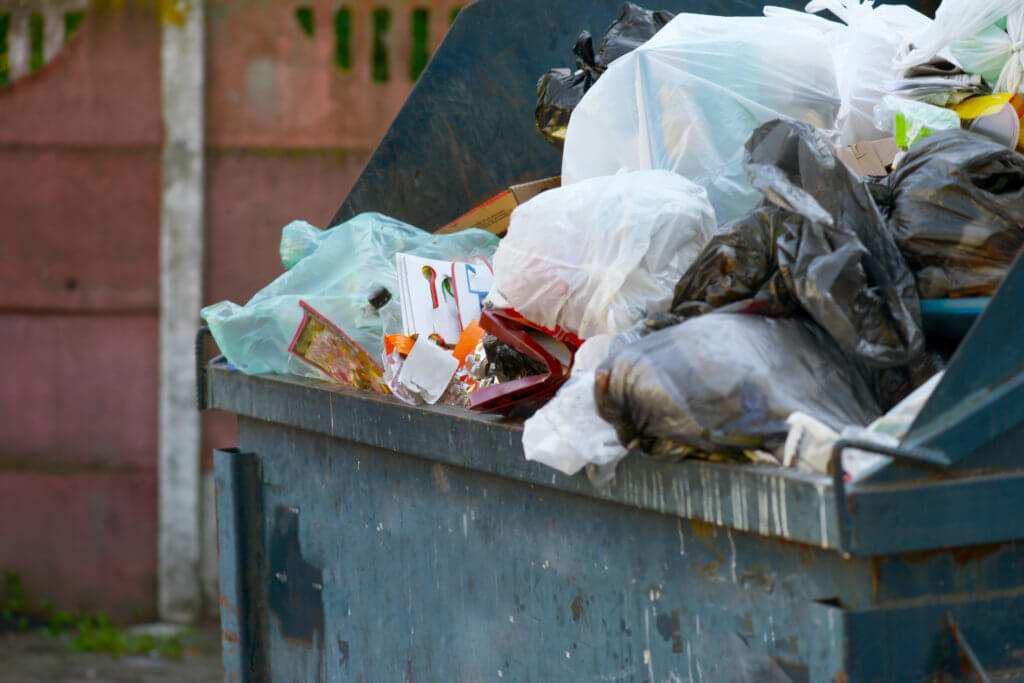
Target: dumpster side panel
[[913, 643], [384, 566]]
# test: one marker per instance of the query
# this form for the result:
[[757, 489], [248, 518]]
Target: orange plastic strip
[[398, 341], [468, 340]]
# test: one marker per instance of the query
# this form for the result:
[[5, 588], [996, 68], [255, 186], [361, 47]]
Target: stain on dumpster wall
[[295, 591]]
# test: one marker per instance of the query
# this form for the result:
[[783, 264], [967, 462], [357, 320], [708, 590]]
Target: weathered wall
[[288, 131]]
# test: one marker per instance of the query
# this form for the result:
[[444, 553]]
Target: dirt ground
[[37, 658]]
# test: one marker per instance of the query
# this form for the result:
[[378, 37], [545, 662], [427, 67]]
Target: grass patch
[[81, 631]]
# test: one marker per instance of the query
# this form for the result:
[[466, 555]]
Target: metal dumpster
[[362, 539]]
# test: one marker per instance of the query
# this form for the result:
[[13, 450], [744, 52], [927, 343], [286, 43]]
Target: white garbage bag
[[688, 99], [598, 256], [567, 433], [864, 49]]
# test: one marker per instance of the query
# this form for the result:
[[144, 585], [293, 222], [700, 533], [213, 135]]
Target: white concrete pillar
[[182, 65]]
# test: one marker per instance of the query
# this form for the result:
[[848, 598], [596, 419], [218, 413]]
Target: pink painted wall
[[287, 135]]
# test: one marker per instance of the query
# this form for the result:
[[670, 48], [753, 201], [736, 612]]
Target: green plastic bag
[[335, 271], [910, 120]]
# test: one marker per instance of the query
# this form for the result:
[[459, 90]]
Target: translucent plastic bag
[[600, 255], [996, 54], [967, 30], [864, 48], [336, 272], [567, 433], [688, 99], [725, 383]]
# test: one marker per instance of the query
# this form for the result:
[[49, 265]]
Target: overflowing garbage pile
[[732, 265]]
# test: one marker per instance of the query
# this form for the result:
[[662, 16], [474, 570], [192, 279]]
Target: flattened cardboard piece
[[494, 214], [869, 157]]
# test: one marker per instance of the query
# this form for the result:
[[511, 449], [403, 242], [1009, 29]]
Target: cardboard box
[[870, 157], [494, 214]]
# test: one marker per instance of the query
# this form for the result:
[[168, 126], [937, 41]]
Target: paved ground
[[34, 658]]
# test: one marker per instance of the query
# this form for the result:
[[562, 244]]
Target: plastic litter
[[560, 90], [725, 383], [820, 246], [521, 396], [688, 99], [994, 116], [598, 256], [958, 213], [507, 364], [340, 270]]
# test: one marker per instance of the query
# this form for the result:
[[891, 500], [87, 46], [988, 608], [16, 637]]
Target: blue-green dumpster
[[363, 539]]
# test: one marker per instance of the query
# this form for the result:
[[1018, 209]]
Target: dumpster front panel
[[770, 501], [381, 565], [456, 557]]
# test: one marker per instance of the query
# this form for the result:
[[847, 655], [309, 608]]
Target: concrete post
[[181, 260]]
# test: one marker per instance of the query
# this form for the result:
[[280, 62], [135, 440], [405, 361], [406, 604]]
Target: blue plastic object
[[951, 318]]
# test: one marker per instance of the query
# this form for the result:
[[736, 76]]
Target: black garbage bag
[[738, 271], [958, 213], [818, 245], [560, 90], [725, 383]]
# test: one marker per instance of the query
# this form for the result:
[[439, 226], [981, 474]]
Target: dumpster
[[365, 539]]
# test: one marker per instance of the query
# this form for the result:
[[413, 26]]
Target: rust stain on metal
[[224, 604], [975, 553], [703, 530], [962, 556], [576, 607], [677, 633]]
